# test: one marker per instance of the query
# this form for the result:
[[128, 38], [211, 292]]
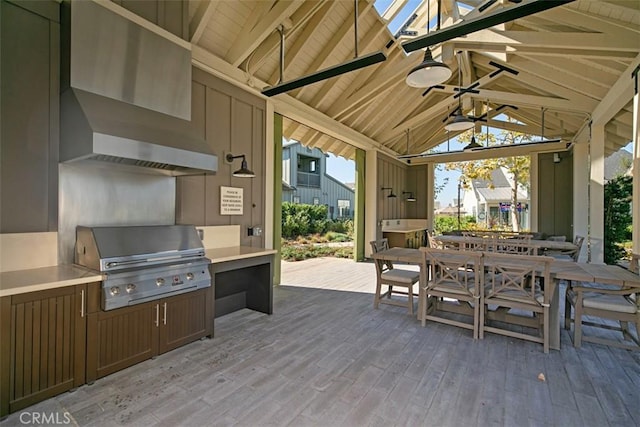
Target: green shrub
[[300, 219], [333, 236], [444, 223], [617, 217]]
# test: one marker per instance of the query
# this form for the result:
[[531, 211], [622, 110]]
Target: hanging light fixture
[[410, 197], [391, 193], [473, 144], [459, 122], [429, 72], [244, 171]]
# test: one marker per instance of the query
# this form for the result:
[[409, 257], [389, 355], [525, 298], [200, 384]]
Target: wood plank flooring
[[327, 358]]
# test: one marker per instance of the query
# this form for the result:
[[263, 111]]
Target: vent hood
[[127, 94]]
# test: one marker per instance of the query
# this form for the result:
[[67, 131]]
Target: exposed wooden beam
[[204, 12], [292, 52], [618, 96], [251, 38]]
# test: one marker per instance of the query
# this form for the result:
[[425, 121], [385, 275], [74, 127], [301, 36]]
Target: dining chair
[[574, 254], [634, 264], [619, 305], [518, 293], [387, 274], [452, 282], [514, 246]]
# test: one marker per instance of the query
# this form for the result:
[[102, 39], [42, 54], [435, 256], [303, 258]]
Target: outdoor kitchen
[[144, 249]]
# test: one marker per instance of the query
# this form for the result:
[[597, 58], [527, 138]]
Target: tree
[[617, 216], [516, 167]]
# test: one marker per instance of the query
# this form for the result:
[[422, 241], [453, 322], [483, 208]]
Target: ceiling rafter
[[339, 37], [250, 38], [298, 20], [367, 43], [292, 52], [200, 20]]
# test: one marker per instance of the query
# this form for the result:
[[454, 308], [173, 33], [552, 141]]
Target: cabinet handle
[[82, 303], [164, 317], [157, 315]]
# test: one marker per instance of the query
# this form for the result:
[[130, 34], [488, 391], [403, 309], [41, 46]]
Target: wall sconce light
[[410, 197], [391, 195], [556, 158], [244, 171]]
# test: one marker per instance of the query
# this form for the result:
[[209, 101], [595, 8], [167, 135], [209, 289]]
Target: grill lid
[[124, 247]]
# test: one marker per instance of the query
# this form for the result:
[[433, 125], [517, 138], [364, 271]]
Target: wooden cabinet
[[184, 318], [43, 338], [126, 336], [29, 110]]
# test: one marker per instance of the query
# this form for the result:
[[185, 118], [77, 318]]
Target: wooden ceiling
[[575, 61]]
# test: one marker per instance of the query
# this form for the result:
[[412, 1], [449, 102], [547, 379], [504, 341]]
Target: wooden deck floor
[[327, 358]]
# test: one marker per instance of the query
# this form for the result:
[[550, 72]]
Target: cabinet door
[[121, 338], [43, 338], [185, 318]]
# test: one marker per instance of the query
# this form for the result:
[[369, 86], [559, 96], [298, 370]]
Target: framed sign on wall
[[231, 200]]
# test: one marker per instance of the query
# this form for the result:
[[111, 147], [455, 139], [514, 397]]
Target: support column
[[276, 143], [596, 195], [359, 217], [371, 221], [533, 193], [635, 204], [431, 184], [581, 190]]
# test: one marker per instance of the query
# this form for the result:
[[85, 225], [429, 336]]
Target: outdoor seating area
[[325, 357], [513, 292]]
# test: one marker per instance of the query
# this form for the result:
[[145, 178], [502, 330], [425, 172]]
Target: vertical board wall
[[231, 121], [555, 200]]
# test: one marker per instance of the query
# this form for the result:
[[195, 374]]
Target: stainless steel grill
[[143, 263]]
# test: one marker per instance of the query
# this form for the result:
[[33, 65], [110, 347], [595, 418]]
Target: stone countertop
[[235, 253], [40, 279], [402, 229]]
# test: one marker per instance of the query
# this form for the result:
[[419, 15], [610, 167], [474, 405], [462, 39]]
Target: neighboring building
[[304, 180], [490, 201]]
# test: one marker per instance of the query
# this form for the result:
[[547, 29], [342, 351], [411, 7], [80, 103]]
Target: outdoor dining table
[[540, 244], [560, 270]]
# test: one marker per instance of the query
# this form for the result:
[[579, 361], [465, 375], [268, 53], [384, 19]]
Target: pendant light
[[429, 72], [473, 144], [459, 121]]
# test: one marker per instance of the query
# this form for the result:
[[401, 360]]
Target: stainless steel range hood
[[127, 94]]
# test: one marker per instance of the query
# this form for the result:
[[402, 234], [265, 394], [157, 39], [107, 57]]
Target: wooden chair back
[[634, 265], [517, 277], [379, 246], [514, 246], [578, 241], [461, 272]]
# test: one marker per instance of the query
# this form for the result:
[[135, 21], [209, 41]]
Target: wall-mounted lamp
[[556, 158], [391, 195], [410, 197], [244, 171]]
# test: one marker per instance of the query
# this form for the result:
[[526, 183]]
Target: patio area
[[326, 357]]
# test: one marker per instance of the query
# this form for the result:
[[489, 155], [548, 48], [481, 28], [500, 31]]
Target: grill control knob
[[130, 287], [189, 276], [160, 281], [114, 290]]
